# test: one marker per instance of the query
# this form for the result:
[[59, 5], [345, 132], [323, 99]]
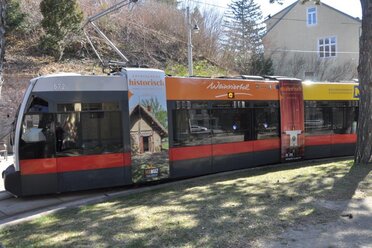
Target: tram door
[[148, 125]]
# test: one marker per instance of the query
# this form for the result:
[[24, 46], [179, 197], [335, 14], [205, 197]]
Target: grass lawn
[[221, 211]]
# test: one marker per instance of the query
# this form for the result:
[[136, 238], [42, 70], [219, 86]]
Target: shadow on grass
[[344, 215], [345, 187], [225, 210]]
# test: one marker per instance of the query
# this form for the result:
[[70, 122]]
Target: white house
[[312, 41]]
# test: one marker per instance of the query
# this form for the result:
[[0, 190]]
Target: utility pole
[[189, 43]]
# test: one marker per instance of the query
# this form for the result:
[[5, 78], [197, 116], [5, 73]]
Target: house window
[[327, 47], [311, 16]]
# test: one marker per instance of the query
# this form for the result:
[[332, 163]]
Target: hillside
[[142, 32], [22, 64]]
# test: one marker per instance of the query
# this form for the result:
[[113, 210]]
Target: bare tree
[[298, 64], [3, 5]]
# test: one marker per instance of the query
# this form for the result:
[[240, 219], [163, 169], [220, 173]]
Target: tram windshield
[[73, 129]]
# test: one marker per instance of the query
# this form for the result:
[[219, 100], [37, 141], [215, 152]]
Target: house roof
[[150, 119], [281, 14], [343, 13]]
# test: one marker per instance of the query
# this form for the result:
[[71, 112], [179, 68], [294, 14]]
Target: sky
[[350, 7]]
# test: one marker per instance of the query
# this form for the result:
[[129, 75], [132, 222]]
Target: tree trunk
[[2, 39], [363, 153]]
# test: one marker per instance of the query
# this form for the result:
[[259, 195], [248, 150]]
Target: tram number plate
[[151, 172], [59, 86]]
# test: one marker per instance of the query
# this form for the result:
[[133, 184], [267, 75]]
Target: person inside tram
[[59, 136]]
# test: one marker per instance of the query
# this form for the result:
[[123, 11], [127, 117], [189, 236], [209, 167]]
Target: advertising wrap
[[292, 119]]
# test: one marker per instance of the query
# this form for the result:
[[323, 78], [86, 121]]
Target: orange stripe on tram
[[78, 163]]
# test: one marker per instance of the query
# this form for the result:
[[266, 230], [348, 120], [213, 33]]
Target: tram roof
[[78, 82]]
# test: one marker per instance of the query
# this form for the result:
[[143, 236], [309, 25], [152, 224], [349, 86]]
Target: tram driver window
[[37, 133], [38, 105], [37, 138]]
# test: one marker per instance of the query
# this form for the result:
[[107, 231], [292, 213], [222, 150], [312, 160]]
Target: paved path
[[3, 165], [5, 123], [352, 229], [16, 209]]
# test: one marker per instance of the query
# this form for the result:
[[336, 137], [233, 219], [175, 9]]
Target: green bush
[[259, 65], [15, 18], [201, 68], [61, 19]]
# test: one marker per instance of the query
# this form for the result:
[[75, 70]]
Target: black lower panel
[[196, 167], [25, 185], [343, 150], [324, 151], [39, 184], [93, 179], [192, 167], [235, 162], [267, 157], [12, 180]]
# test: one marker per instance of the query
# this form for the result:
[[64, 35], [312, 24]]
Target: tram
[[75, 132]]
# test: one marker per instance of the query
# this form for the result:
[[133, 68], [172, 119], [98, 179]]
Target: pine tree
[[243, 33], [61, 18]]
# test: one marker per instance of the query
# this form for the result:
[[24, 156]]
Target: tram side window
[[267, 123], [231, 125], [345, 120], [91, 132], [191, 127], [331, 117], [318, 120], [101, 132], [37, 137], [68, 132]]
